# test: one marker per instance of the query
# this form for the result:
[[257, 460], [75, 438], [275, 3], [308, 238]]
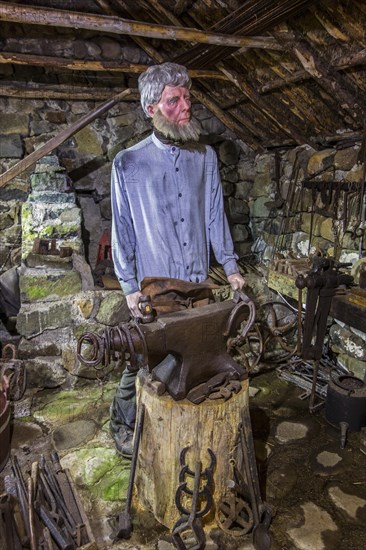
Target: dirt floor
[[316, 489]]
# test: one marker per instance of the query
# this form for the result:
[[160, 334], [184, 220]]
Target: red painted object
[[104, 248]]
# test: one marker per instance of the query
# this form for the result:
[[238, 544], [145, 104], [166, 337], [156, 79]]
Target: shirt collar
[[159, 143]]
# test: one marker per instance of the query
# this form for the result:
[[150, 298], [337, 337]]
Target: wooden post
[[169, 427]]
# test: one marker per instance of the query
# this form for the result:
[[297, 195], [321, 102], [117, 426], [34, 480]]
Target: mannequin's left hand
[[236, 281]]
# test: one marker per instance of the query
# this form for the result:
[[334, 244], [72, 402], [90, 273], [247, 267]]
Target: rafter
[[343, 63], [332, 82], [32, 90], [31, 15], [276, 112], [85, 65], [271, 111]]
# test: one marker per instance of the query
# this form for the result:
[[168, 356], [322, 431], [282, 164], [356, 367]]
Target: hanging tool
[[322, 282], [123, 529], [362, 160]]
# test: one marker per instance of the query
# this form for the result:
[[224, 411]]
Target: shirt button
[[187, 267], [177, 169], [179, 194], [173, 149], [182, 219], [184, 244]]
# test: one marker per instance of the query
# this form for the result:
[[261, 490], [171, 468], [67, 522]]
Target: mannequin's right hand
[[133, 304]]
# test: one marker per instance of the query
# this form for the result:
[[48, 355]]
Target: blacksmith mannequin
[[167, 206]]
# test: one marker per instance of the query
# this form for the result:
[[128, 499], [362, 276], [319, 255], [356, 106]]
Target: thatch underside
[[278, 74]]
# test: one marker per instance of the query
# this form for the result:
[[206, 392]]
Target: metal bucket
[[346, 402], [4, 423]]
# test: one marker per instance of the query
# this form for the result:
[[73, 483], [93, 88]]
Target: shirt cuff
[[230, 268], [129, 287]]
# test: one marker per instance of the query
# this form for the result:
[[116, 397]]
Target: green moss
[[67, 406], [42, 286], [102, 471]]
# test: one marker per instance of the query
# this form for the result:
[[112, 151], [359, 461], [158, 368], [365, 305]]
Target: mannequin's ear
[[151, 109]]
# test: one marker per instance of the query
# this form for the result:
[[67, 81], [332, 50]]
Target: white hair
[[153, 81]]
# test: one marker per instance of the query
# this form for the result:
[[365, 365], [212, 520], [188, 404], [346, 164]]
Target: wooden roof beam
[[85, 65], [272, 111], [32, 90], [31, 15], [332, 82], [342, 63]]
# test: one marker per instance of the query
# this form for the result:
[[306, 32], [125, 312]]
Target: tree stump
[[169, 427]]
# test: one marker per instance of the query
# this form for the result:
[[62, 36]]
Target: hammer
[[123, 529]]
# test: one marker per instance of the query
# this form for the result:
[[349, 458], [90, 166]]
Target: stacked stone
[[48, 282], [58, 300], [350, 346], [236, 192], [11, 196]]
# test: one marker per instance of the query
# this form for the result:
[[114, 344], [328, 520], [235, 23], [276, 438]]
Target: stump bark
[[171, 426]]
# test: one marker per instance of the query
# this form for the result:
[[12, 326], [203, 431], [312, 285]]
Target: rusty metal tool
[[234, 514], [66, 498], [202, 391], [262, 513], [22, 494], [191, 521], [207, 475], [8, 527], [321, 282], [59, 534], [124, 526]]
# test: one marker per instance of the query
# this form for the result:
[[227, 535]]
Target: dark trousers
[[123, 408]]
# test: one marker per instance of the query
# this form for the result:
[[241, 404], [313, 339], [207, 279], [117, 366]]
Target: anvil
[[182, 349]]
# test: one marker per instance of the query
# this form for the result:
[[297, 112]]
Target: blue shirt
[[167, 206]]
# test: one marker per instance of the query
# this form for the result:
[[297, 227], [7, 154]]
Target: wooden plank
[[84, 65], [66, 92], [349, 313], [31, 15]]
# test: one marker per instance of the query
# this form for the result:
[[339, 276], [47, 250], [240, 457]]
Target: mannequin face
[[174, 104]]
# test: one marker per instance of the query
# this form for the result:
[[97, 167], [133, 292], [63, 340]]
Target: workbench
[[350, 307], [350, 313]]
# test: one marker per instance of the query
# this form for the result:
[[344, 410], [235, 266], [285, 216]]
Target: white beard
[[183, 133]]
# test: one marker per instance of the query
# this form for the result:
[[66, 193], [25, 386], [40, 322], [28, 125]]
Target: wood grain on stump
[[169, 427]]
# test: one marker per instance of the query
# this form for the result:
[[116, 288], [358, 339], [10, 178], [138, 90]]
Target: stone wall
[[291, 218], [27, 124], [286, 215]]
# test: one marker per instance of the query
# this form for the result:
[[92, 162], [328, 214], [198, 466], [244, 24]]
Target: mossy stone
[[48, 285], [113, 309]]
